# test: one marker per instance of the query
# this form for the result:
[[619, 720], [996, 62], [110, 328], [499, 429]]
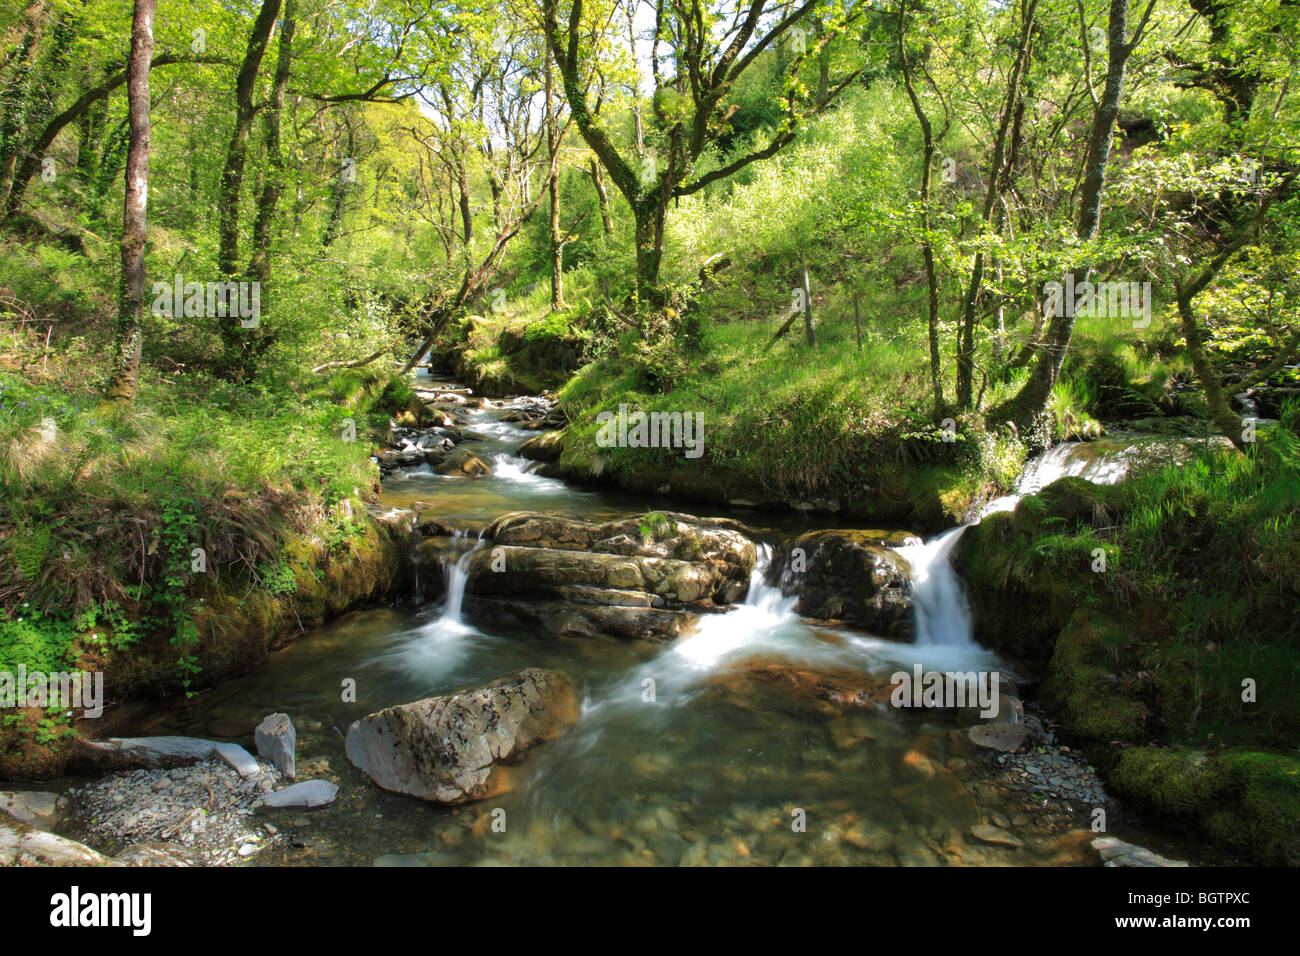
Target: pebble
[[204, 807]]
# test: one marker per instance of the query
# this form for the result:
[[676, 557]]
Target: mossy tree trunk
[[125, 381]]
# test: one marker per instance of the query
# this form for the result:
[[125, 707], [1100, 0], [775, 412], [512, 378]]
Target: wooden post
[[857, 319], [807, 308]]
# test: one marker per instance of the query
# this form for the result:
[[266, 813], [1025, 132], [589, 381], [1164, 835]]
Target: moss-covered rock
[[1244, 800], [1083, 682]]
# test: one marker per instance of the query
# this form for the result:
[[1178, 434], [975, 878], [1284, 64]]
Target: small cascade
[[757, 624], [457, 576], [943, 615], [1103, 463]]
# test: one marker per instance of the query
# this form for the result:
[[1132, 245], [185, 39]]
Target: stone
[[1004, 738], [125, 752], [987, 833], [306, 795], [464, 464], [452, 749], [850, 576], [832, 689], [21, 845], [33, 807], [244, 763], [547, 447], [276, 739], [581, 618], [1116, 852]]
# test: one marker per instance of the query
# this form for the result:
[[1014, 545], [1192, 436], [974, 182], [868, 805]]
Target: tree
[[707, 52], [125, 381], [928, 140], [1029, 402]]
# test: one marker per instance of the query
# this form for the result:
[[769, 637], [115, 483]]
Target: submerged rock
[[996, 836], [831, 688], [32, 807], [451, 749]]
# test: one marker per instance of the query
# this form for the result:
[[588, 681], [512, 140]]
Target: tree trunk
[[1225, 419], [1033, 395], [927, 248], [649, 250], [997, 175], [259, 266], [232, 175], [602, 198], [125, 381], [807, 307], [553, 190]]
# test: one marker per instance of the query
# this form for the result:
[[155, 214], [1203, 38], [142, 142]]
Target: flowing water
[[676, 757]]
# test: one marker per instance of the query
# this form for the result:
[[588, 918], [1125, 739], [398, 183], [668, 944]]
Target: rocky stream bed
[[587, 677]]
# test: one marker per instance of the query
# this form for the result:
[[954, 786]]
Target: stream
[[711, 770]]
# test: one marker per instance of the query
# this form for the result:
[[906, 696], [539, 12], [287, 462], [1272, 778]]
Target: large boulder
[[452, 749], [463, 463], [850, 576]]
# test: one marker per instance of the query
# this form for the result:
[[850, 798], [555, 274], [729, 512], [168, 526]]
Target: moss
[[238, 623], [1017, 612], [1248, 801], [1087, 689]]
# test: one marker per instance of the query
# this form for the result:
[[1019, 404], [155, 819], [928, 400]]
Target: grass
[[106, 515]]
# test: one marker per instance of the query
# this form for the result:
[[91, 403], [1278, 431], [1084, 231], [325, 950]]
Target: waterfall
[[457, 576], [938, 593], [942, 613]]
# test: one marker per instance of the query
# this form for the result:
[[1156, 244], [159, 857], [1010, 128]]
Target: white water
[[943, 616], [457, 577], [938, 592], [757, 625]]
